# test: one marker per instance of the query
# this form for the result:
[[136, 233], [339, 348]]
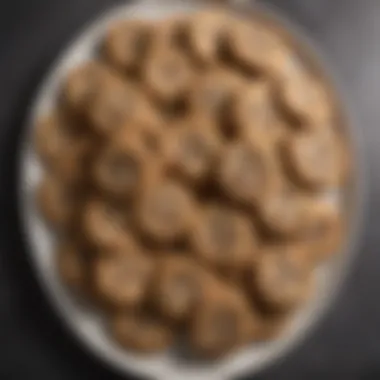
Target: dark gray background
[[34, 344]]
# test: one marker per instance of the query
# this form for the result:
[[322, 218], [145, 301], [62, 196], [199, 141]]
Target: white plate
[[86, 324]]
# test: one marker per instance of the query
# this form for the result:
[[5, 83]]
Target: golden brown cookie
[[308, 100], [167, 74], [165, 210], [115, 104], [252, 45], [315, 160], [127, 43], [212, 92], [255, 113], [284, 211], [267, 326], [83, 82], [221, 324], [179, 284], [58, 202], [106, 225], [323, 230], [73, 267], [148, 132], [289, 64], [63, 149], [122, 277], [121, 166], [169, 33], [141, 332], [205, 34], [282, 278], [224, 238], [191, 149], [247, 172]]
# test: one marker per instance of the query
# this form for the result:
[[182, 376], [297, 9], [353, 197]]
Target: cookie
[[211, 93], [205, 34], [167, 75], [314, 160], [149, 133], [179, 283], [251, 45], [283, 280], [170, 34], [307, 100], [255, 113], [224, 238], [58, 202], [83, 82], [121, 166], [191, 150], [165, 211], [106, 225], [63, 149], [323, 230], [267, 326], [221, 323], [141, 332], [115, 104], [283, 212], [73, 267], [247, 172], [127, 43], [122, 277], [287, 65]]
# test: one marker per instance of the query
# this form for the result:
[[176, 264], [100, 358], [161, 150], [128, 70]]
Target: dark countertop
[[34, 344]]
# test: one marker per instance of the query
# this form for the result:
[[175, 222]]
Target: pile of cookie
[[187, 173]]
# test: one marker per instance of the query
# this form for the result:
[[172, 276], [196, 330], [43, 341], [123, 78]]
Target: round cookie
[[170, 34], [255, 114], [224, 238], [212, 92], [287, 66], [247, 172], [121, 165], [179, 284], [282, 278], [149, 133], [205, 34], [252, 45], [165, 211], [127, 43], [141, 332], [146, 133], [167, 74], [315, 160], [267, 326], [191, 149], [323, 231], [106, 225], [122, 277], [58, 202], [221, 324], [73, 267], [115, 104], [306, 99], [63, 149], [83, 82], [283, 212]]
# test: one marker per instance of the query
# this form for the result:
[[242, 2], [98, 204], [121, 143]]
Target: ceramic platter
[[86, 324]]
